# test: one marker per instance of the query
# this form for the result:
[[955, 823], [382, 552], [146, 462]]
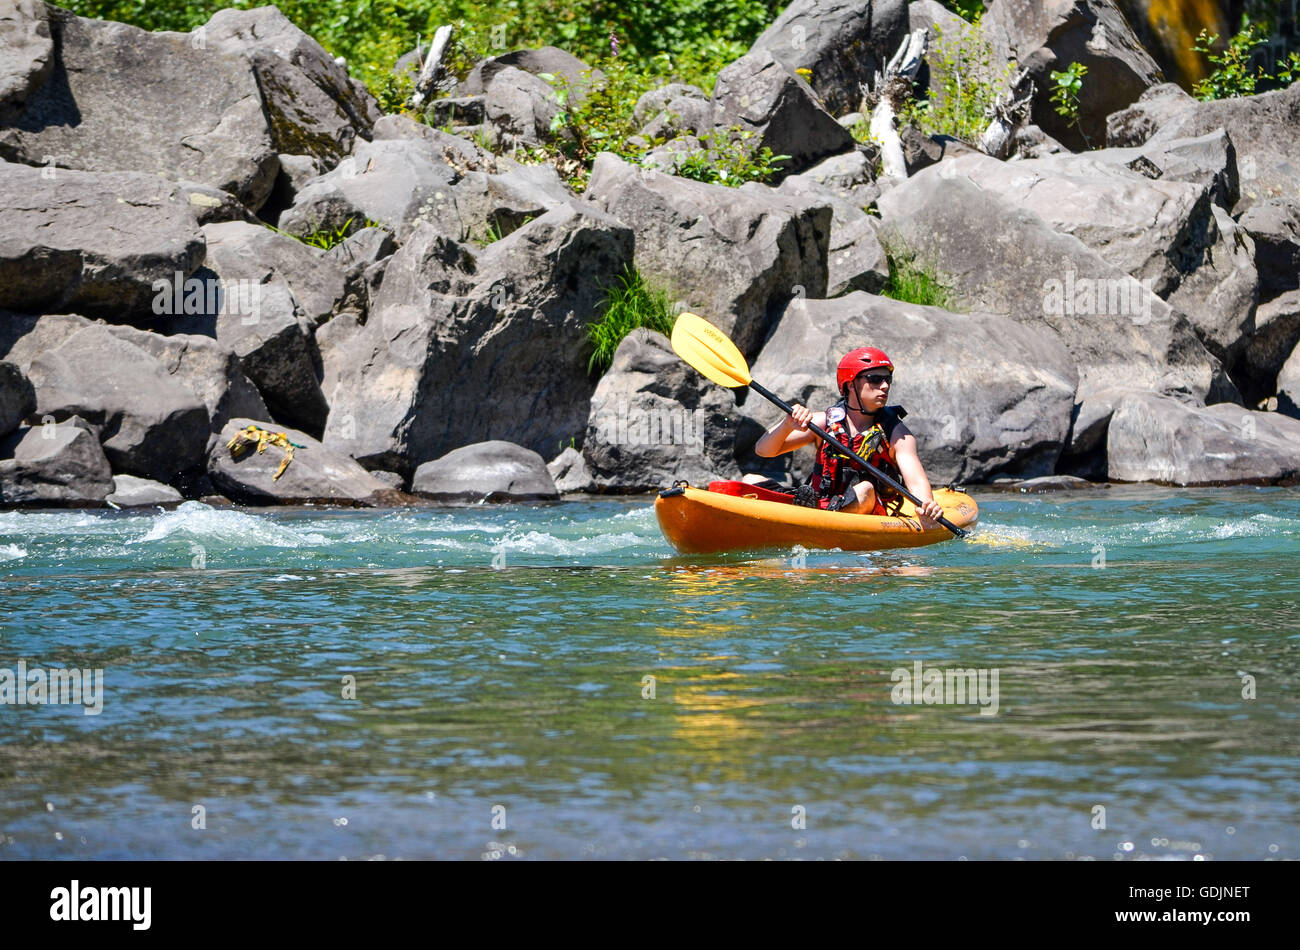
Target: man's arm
[[790, 433], [914, 477]]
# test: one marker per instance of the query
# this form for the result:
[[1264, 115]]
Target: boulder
[[569, 470], [732, 255], [317, 474], [1274, 225], [842, 42], [660, 99], [17, 398], [1275, 335], [118, 98], [211, 371], [1006, 259], [1209, 159], [520, 107], [1047, 35], [1169, 234], [402, 181], [26, 54], [683, 115], [768, 99], [1288, 386], [548, 60], [132, 492], [262, 295], [1261, 127], [938, 21], [25, 336], [1160, 439], [53, 465], [312, 103], [985, 395], [91, 242], [461, 342], [655, 420], [152, 425], [486, 471], [458, 110]]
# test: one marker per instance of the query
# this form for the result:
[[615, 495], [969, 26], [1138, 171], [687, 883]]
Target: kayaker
[[862, 421]]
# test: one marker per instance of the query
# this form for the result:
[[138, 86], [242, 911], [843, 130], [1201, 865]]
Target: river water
[[552, 681]]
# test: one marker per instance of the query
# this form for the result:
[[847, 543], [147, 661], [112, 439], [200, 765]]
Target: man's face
[[873, 388]]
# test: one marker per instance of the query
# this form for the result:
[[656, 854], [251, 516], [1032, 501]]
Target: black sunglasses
[[876, 379]]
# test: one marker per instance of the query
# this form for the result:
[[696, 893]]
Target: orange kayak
[[700, 522]]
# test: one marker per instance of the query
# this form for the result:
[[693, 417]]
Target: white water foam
[[11, 552], [195, 521]]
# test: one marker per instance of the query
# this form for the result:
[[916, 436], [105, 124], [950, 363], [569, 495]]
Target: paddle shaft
[[859, 460]]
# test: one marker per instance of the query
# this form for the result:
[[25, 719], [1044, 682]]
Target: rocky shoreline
[[1127, 313]]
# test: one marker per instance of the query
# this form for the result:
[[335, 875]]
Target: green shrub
[[969, 80], [629, 303], [1232, 75], [1067, 84], [727, 159]]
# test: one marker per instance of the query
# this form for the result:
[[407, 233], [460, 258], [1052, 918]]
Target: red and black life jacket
[[834, 474]]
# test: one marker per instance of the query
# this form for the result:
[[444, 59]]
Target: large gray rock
[[1008, 260], [548, 59], [569, 470], [1262, 128], [1288, 386], [1275, 335], [843, 42], [17, 398], [1047, 35], [1159, 439], [132, 492], [269, 292], [1274, 225], [486, 471], [1169, 234], [211, 371], [1209, 159], [26, 54], [656, 101], [985, 395], [53, 465], [520, 107], [399, 182], [732, 255], [313, 105], [855, 259], [94, 243], [462, 343], [25, 336], [767, 98], [317, 474], [119, 98], [152, 425], [655, 420]]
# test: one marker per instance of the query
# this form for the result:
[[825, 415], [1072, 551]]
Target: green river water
[[552, 681]]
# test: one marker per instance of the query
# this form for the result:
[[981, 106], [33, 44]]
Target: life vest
[[834, 474]]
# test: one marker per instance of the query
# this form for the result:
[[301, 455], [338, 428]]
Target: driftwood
[[888, 92], [1007, 115], [430, 72]]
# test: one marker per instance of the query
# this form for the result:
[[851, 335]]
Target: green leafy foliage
[[1232, 75], [629, 303], [1066, 86], [728, 159], [966, 79], [325, 237]]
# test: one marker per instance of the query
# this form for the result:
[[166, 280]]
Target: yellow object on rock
[[256, 435]]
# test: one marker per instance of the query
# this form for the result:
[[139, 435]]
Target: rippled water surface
[[503, 709]]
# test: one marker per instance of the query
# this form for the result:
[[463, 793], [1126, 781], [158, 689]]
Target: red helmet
[[859, 360]]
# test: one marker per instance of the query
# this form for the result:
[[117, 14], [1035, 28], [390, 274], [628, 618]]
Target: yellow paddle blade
[[708, 349]]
